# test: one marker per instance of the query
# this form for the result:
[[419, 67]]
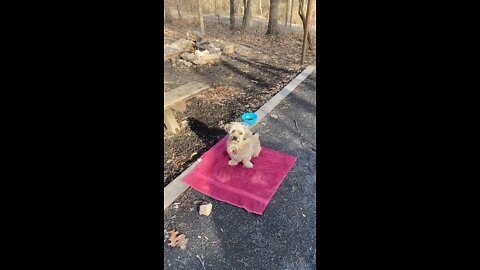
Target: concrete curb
[[176, 188]]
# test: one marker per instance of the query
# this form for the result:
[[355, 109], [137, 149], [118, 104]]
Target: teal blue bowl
[[249, 118]]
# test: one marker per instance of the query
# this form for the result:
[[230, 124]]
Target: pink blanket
[[251, 189]]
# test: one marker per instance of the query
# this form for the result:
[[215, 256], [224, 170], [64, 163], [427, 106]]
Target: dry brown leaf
[[177, 240]]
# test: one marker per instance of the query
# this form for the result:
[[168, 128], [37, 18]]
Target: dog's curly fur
[[242, 145]]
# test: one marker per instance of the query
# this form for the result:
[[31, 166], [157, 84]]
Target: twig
[[243, 262], [303, 144], [296, 125], [203, 265], [183, 262]]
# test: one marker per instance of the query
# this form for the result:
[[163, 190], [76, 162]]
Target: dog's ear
[[227, 128], [247, 131]]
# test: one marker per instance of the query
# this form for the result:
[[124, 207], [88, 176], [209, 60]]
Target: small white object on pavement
[[206, 209]]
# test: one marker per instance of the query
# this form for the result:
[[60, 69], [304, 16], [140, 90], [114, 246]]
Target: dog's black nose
[[235, 138]]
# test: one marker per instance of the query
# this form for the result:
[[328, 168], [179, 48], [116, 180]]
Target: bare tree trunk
[[238, 8], [261, 12], [244, 8], [232, 14], [250, 13], [314, 17], [287, 9], [291, 13], [200, 15], [267, 12], [168, 15], [273, 18], [247, 17], [216, 12], [309, 14], [178, 9], [304, 22]]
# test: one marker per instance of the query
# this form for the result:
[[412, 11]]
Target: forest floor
[[260, 67]]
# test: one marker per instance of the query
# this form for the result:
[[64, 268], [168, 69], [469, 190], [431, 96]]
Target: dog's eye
[[240, 133]]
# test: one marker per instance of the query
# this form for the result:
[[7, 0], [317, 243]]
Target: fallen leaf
[[177, 240]]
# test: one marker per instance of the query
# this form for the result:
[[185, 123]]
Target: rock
[[212, 49], [186, 63], [188, 56], [184, 45], [205, 209], [201, 57], [198, 53], [204, 44], [190, 36], [197, 35], [205, 57], [194, 36], [229, 49], [203, 41]]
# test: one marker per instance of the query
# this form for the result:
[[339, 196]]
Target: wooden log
[[182, 93], [170, 121], [180, 106], [177, 99]]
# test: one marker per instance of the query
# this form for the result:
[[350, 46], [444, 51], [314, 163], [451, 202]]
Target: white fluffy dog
[[242, 146]]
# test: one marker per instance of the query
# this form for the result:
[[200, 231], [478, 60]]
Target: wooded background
[[260, 9]]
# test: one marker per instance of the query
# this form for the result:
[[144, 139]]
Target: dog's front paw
[[248, 165], [232, 162]]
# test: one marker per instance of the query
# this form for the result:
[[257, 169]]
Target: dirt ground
[[242, 82]]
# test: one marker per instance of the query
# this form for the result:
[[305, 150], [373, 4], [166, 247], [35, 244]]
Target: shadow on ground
[[205, 132]]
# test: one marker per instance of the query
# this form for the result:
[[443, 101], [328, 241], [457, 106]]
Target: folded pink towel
[[251, 189]]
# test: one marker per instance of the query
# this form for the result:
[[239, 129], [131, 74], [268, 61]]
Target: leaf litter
[[177, 240]]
